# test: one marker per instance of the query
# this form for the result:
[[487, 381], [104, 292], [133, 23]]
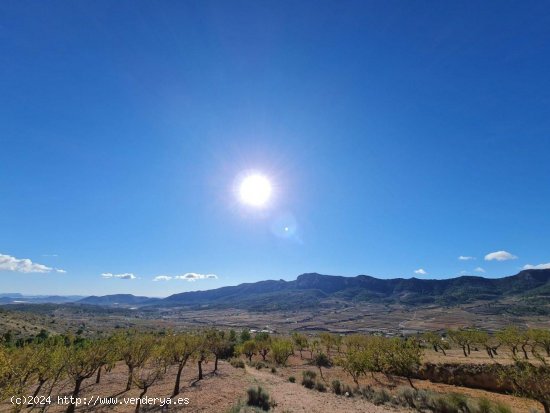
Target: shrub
[[243, 408], [308, 379], [336, 387], [237, 363], [484, 406], [259, 365], [319, 386], [292, 379], [448, 403], [347, 391], [366, 392], [258, 397], [381, 397], [406, 396], [273, 370], [500, 408]]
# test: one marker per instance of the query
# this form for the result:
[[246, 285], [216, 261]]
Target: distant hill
[[526, 288], [313, 289], [117, 300], [18, 298]]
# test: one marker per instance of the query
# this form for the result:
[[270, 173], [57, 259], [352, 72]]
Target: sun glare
[[255, 190]]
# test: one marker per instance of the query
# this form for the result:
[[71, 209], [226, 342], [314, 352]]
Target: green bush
[[319, 386], [308, 379], [381, 397], [259, 398], [336, 387], [273, 370], [259, 365], [237, 363], [292, 379]]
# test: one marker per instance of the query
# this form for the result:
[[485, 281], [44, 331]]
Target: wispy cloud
[[162, 278], [190, 276], [50, 255], [60, 271], [500, 256], [481, 270], [24, 265], [466, 258], [124, 276], [193, 276], [420, 271], [537, 267]]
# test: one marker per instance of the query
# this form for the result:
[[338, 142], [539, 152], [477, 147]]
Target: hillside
[[313, 289]]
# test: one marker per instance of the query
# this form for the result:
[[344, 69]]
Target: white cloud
[[60, 271], [124, 276], [421, 271], [479, 269], [192, 276], [466, 258], [162, 278], [24, 265], [50, 255], [537, 267], [500, 256]]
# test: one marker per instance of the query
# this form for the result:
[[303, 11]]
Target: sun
[[255, 190]]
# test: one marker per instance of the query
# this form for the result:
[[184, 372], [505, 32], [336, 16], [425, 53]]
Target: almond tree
[[511, 337], [135, 349], [541, 338], [281, 350], [221, 346], [321, 360], [22, 369], [402, 358], [202, 352], [327, 340], [178, 349], [435, 340], [82, 362], [530, 380], [463, 338], [263, 344], [108, 354], [248, 348], [6, 384], [300, 342], [145, 375], [353, 362], [52, 363]]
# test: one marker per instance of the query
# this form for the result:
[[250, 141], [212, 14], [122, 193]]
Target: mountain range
[[312, 289]]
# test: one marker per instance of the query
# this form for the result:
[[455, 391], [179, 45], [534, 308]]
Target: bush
[[292, 379], [336, 387], [406, 396], [237, 363], [308, 379], [273, 370], [258, 398], [259, 365], [381, 397], [243, 408], [319, 386], [347, 390]]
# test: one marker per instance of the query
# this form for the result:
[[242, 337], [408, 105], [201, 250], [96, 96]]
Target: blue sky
[[397, 136]]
